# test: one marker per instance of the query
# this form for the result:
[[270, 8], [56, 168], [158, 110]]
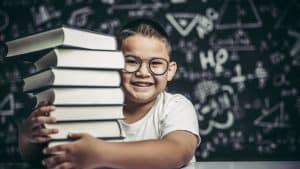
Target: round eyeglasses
[[156, 66]]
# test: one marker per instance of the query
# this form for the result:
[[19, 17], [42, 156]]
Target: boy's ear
[[172, 70]]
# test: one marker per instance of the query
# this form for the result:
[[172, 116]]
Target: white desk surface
[[245, 165]]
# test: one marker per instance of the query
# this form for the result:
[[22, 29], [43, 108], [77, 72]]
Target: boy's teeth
[[142, 84]]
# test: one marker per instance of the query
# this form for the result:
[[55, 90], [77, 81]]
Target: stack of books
[[78, 71]]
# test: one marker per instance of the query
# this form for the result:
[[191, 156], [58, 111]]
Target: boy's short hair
[[145, 27]]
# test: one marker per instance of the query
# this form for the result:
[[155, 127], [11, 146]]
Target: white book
[[98, 129], [80, 113], [81, 96], [72, 77], [78, 58], [62, 36], [59, 142]]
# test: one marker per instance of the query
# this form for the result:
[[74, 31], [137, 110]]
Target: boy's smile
[[142, 86], [142, 83]]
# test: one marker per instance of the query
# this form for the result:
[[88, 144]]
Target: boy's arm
[[174, 151]]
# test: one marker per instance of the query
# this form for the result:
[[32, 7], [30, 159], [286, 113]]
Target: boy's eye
[[131, 61], [156, 63]]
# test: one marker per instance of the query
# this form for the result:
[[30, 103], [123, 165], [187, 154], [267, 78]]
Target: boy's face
[[142, 86]]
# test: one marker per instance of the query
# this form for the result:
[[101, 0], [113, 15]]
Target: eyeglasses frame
[[140, 61]]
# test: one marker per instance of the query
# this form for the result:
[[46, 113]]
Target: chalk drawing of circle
[[212, 14], [4, 20]]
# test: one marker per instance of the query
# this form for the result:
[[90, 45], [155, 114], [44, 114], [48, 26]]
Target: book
[[71, 77], [77, 58], [98, 129], [81, 96], [59, 142], [83, 113], [62, 36]]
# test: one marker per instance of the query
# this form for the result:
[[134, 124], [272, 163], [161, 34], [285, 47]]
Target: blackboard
[[238, 62]]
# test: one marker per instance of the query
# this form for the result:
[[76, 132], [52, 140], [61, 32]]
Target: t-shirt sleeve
[[179, 114]]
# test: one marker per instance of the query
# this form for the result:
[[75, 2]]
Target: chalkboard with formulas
[[238, 62]]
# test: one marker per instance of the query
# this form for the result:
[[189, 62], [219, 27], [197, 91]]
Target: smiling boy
[[161, 128]]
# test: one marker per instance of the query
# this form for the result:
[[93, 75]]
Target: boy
[[161, 128]]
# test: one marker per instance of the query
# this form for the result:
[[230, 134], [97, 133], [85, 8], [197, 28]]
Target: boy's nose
[[143, 70]]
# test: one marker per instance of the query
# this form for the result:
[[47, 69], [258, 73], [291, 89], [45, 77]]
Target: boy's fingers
[[55, 149], [65, 165], [44, 132], [75, 135], [55, 160], [37, 121], [43, 110]]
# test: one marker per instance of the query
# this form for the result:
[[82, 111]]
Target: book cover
[[81, 96], [98, 129], [72, 77], [80, 58], [87, 113], [62, 36], [59, 142]]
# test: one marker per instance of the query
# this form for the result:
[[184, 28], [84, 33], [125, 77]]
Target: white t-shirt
[[170, 112]]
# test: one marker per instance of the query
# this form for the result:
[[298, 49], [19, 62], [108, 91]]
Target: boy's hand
[[33, 129], [79, 154]]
